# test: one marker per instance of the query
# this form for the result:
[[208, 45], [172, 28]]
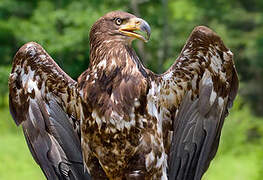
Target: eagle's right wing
[[206, 73], [194, 97], [44, 100]]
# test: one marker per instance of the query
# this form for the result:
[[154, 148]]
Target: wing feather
[[44, 100], [197, 90]]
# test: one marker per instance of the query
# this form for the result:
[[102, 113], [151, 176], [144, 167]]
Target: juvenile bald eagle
[[120, 120]]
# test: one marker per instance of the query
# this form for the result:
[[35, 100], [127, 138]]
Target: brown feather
[[134, 124]]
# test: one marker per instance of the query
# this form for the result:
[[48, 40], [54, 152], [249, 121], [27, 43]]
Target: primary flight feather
[[121, 120]]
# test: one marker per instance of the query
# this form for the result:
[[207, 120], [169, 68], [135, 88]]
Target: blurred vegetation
[[62, 28]]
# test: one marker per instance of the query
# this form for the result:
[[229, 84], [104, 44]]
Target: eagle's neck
[[114, 81], [109, 55]]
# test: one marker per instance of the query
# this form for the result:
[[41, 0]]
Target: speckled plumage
[[129, 122]]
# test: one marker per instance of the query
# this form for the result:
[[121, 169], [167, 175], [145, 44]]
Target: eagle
[[120, 120]]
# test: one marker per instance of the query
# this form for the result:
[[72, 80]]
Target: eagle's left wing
[[44, 100], [194, 96]]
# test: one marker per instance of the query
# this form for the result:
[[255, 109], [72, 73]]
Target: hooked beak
[[136, 24]]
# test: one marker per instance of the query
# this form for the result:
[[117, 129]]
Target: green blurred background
[[62, 28]]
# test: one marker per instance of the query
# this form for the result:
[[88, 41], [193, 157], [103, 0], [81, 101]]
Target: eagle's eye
[[118, 21]]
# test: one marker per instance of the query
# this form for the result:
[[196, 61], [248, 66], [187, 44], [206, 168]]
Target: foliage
[[17, 162], [240, 153], [4, 73]]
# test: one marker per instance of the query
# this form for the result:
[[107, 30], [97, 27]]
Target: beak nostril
[[137, 22]]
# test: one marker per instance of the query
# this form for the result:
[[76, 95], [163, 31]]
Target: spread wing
[[44, 100], [195, 95]]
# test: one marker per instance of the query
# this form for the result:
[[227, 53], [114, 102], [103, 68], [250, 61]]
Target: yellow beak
[[136, 24]]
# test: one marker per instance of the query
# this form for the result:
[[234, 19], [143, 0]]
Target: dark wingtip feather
[[13, 113], [234, 88]]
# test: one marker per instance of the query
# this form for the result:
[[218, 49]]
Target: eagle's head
[[119, 26]]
